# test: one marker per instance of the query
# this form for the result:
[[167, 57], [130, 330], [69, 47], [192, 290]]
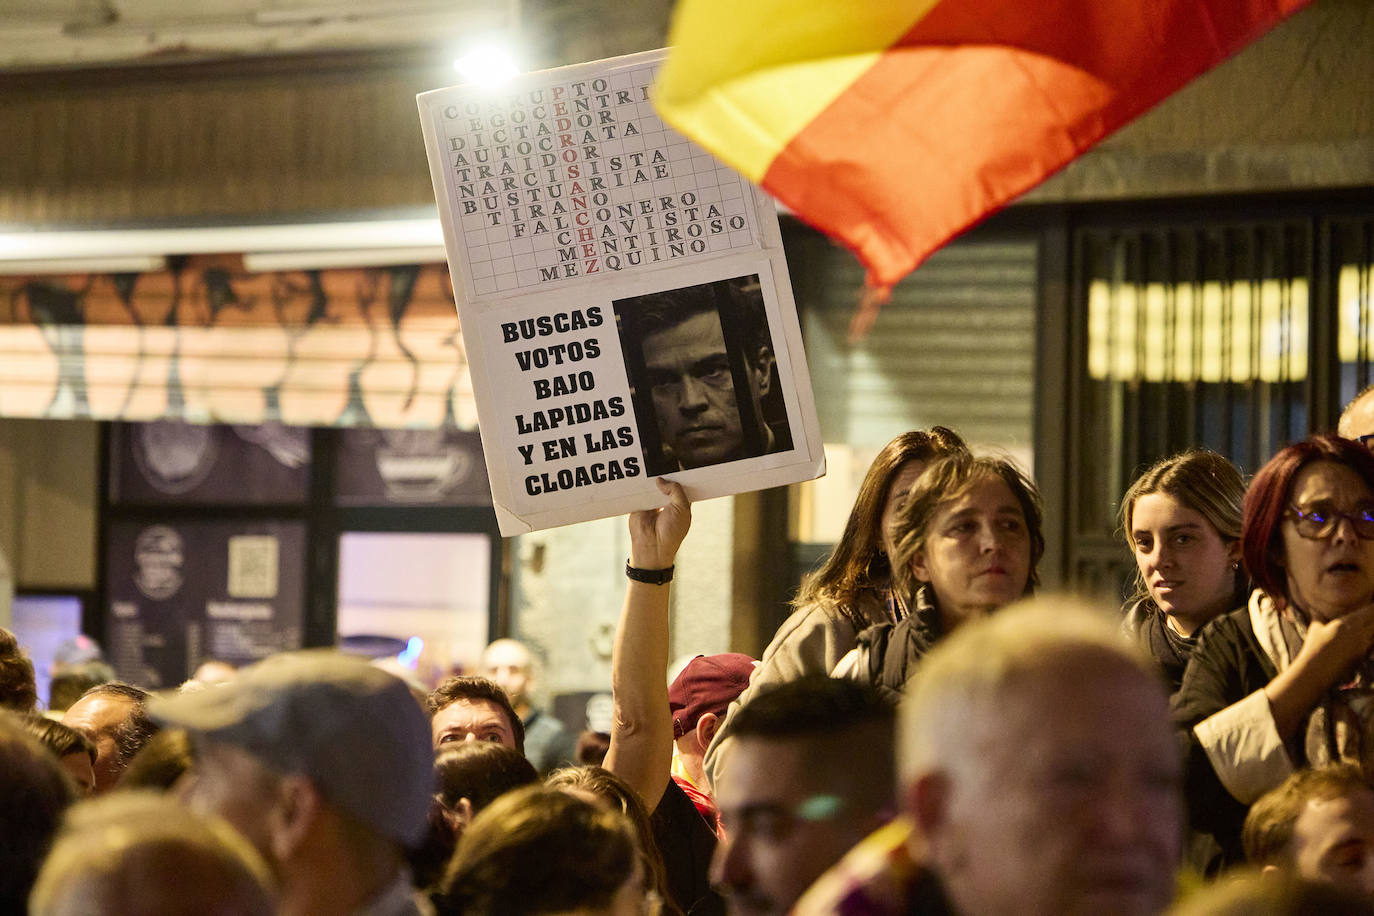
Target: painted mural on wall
[[207, 342]]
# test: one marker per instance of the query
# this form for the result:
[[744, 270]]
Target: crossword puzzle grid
[[502, 264]]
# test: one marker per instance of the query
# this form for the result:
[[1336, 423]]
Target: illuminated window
[[1214, 331], [1355, 301]]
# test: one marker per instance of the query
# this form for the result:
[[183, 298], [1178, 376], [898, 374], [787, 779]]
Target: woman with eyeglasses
[[1286, 682], [1181, 519]]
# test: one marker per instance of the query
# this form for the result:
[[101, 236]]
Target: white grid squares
[[521, 246]]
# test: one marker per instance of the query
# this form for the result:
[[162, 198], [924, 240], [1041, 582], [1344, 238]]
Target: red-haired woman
[[1286, 681]]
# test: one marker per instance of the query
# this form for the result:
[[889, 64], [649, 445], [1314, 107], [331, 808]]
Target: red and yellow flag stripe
[[894, 125]]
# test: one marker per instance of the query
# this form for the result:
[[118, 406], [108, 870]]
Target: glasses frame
[[1300, 518]]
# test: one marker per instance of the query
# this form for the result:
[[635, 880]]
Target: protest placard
[[624, 299]]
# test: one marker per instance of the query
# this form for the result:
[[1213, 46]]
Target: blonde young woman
[[1181, 519]]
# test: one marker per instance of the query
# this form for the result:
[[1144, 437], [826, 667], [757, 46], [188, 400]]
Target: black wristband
[[651, 576]]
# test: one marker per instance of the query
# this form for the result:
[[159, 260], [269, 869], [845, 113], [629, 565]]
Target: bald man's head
[[1357, 420], [510, 665]]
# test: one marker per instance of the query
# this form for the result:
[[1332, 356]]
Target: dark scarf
[[1149, 627], [894, 650]]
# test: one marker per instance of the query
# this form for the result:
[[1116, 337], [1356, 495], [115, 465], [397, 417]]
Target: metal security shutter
[[1350, 261], [1191, 333], [954, 346]]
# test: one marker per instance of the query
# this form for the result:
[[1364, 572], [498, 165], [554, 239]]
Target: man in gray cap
[[324, 763]]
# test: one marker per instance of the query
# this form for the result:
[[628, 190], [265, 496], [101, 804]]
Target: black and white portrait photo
[[705, 384]]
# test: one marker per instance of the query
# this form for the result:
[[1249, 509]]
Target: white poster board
[[624, 299]]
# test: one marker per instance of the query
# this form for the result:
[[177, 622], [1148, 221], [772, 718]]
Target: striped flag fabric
[[894, 125]]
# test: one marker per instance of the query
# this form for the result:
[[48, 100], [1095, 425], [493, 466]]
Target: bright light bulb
[[487, 65]]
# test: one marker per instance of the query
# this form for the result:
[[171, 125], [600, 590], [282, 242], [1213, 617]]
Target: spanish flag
[[894, 125]]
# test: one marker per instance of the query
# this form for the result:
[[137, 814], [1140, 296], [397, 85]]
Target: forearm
[[1330, 651], [639, 663], [641, 748], [1293, 693]]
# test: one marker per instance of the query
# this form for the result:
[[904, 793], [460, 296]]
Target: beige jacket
[[811, 641]]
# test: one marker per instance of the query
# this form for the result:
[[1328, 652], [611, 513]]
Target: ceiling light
[[487, 65]]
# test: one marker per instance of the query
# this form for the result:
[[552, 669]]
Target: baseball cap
[[352, 729], [708, 683]]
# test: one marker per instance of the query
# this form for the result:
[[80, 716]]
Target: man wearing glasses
[[1037, 774]]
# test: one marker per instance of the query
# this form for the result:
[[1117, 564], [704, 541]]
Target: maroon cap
[[709, 683]]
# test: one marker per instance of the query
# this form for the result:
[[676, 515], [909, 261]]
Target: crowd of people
[[924, 734]]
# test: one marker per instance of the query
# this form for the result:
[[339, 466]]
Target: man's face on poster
[[689, 376]]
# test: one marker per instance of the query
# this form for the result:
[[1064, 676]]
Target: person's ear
[[763, 371], [927, 802], [291, 820], [706, 729], [918, 565], [1233, 553], [458, 816]]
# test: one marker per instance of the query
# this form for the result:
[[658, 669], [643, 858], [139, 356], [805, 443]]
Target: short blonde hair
[[1267, 835], [970, 669], [130, 843]]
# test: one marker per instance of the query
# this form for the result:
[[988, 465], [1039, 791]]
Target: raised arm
[[641, 750]]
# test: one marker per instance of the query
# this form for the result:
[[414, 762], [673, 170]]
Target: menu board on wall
[[179, 592], [625, 301], [167, 462]]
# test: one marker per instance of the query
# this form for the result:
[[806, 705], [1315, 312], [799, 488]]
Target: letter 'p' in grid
[[581, 179]]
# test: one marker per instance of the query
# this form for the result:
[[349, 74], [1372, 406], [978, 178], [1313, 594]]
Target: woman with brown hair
[[853, 589], [969, 537], [1181, 519], [855, 582], [606, 788], [537, 850]]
